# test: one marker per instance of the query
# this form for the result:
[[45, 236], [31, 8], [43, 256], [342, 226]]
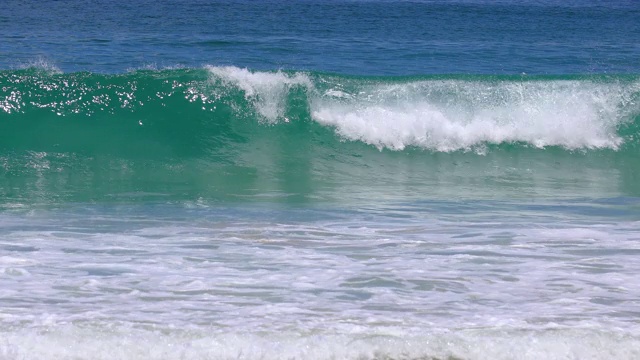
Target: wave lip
[[267, 91]]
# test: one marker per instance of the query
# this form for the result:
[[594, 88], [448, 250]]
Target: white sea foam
[[461, 115], [41, 63], [64, 342], [450, 115], [267, 91], [165, 282]]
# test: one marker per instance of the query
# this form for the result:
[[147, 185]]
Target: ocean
[[339, 179]]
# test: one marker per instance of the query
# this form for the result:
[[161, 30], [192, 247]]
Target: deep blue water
[[347, 37]]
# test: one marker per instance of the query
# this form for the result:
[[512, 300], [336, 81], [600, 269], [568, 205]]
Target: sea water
[[319, 179]]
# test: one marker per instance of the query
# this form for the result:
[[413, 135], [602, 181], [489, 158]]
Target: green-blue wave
[[228, 133]]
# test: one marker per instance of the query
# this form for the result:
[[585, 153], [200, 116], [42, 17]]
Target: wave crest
[[267, 91], [441, 114], [461, 115]]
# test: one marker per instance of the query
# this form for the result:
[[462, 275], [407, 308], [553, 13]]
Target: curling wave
[[221, 130]]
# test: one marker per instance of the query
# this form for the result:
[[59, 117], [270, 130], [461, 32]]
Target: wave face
[[222, 130]]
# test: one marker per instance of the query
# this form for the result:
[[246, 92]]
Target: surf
[[215, 131], [433, 113]]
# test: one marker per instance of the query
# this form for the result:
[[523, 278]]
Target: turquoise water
[[319, 180], [230, 134]]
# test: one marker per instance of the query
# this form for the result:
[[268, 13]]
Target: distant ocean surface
[[319, 179]]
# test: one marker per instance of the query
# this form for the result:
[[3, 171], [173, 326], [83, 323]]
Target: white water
[[113, 342], [450, 115], [267, 91], [404, 281]]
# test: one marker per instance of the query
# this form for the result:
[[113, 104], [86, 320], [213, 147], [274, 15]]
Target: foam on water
[[268, 91], [65, 342], [451, 115], [572, 125], [403, 281], [41, 64]]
